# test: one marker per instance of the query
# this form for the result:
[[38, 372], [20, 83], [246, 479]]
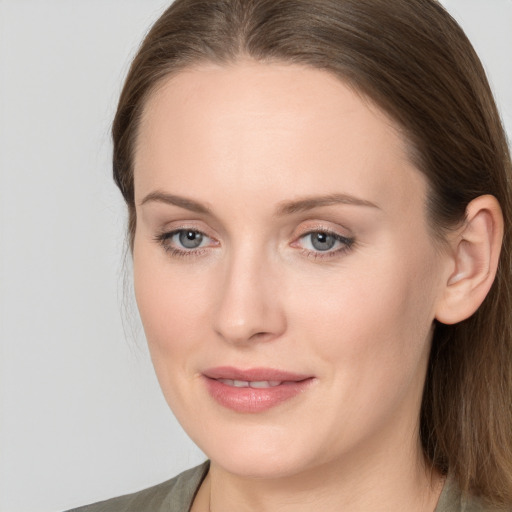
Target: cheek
[[172, 305], [369, 333], [372, 319]]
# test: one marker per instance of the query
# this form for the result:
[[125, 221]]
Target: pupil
[[323, 241]]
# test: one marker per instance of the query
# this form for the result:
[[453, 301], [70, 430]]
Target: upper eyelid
[[173, 231], [315, 226], [323, 230], [329, 231], [169, 232]]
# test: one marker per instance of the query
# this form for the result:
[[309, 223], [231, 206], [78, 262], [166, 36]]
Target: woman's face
[[284, 270]]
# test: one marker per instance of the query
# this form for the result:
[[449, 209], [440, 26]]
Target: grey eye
[[322, 241], [189, 239]]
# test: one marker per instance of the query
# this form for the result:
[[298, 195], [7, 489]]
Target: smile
[[254, 390]]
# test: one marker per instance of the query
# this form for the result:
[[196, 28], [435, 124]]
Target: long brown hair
[[414, 61]]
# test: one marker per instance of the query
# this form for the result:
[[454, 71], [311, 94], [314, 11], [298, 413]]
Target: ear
[[474, 260]]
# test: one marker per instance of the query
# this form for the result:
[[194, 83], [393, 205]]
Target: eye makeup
[[325, 244], [184, 242], [314, 244]]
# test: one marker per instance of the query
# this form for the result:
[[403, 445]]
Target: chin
[[257, 452], [259, 466]]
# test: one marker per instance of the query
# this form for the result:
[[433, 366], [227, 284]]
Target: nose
[[249, 306]]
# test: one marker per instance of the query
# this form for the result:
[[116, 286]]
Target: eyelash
[[347, 244], [164, 238]]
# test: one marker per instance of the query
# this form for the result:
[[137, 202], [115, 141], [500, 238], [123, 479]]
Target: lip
[[254, 400]]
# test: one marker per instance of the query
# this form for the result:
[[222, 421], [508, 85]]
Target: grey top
[[452, 500], [177, 495]]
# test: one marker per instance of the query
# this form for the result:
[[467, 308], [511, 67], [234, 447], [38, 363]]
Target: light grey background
[[81, 415]]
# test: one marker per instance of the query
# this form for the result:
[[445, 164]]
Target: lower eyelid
[[327, 255]]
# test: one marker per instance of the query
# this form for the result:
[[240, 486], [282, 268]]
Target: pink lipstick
[[253, 390]]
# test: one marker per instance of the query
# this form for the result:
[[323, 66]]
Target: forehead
[[253, 128]]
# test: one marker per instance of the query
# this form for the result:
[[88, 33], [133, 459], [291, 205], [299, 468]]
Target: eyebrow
[[285, 208], [182, 202], [308, 203]]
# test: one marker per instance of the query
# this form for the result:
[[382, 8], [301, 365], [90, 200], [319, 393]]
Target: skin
[[243, 140]]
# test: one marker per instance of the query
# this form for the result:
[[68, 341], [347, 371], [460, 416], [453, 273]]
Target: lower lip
[[252, 400]]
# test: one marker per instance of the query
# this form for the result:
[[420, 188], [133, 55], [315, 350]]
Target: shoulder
[[453, 500], [174, 495]]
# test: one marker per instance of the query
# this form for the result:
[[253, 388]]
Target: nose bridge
[[249, 305]]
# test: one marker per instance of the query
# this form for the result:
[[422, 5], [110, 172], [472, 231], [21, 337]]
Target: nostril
[[261, 336]]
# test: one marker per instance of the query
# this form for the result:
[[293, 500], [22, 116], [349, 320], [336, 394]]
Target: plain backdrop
[[81, 415]]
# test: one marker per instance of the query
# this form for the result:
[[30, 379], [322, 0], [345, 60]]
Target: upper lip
[[253, 374]]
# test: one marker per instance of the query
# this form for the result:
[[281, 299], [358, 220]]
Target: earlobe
[[475, 249]]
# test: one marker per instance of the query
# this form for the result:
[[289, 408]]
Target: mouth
[[253, 390], [258, 384]]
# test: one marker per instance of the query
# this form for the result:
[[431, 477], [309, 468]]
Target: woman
[[319, 216]]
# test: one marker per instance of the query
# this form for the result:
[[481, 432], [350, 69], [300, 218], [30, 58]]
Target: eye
[[184, 242], [317, 242], [188, 238], [321, 241]]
